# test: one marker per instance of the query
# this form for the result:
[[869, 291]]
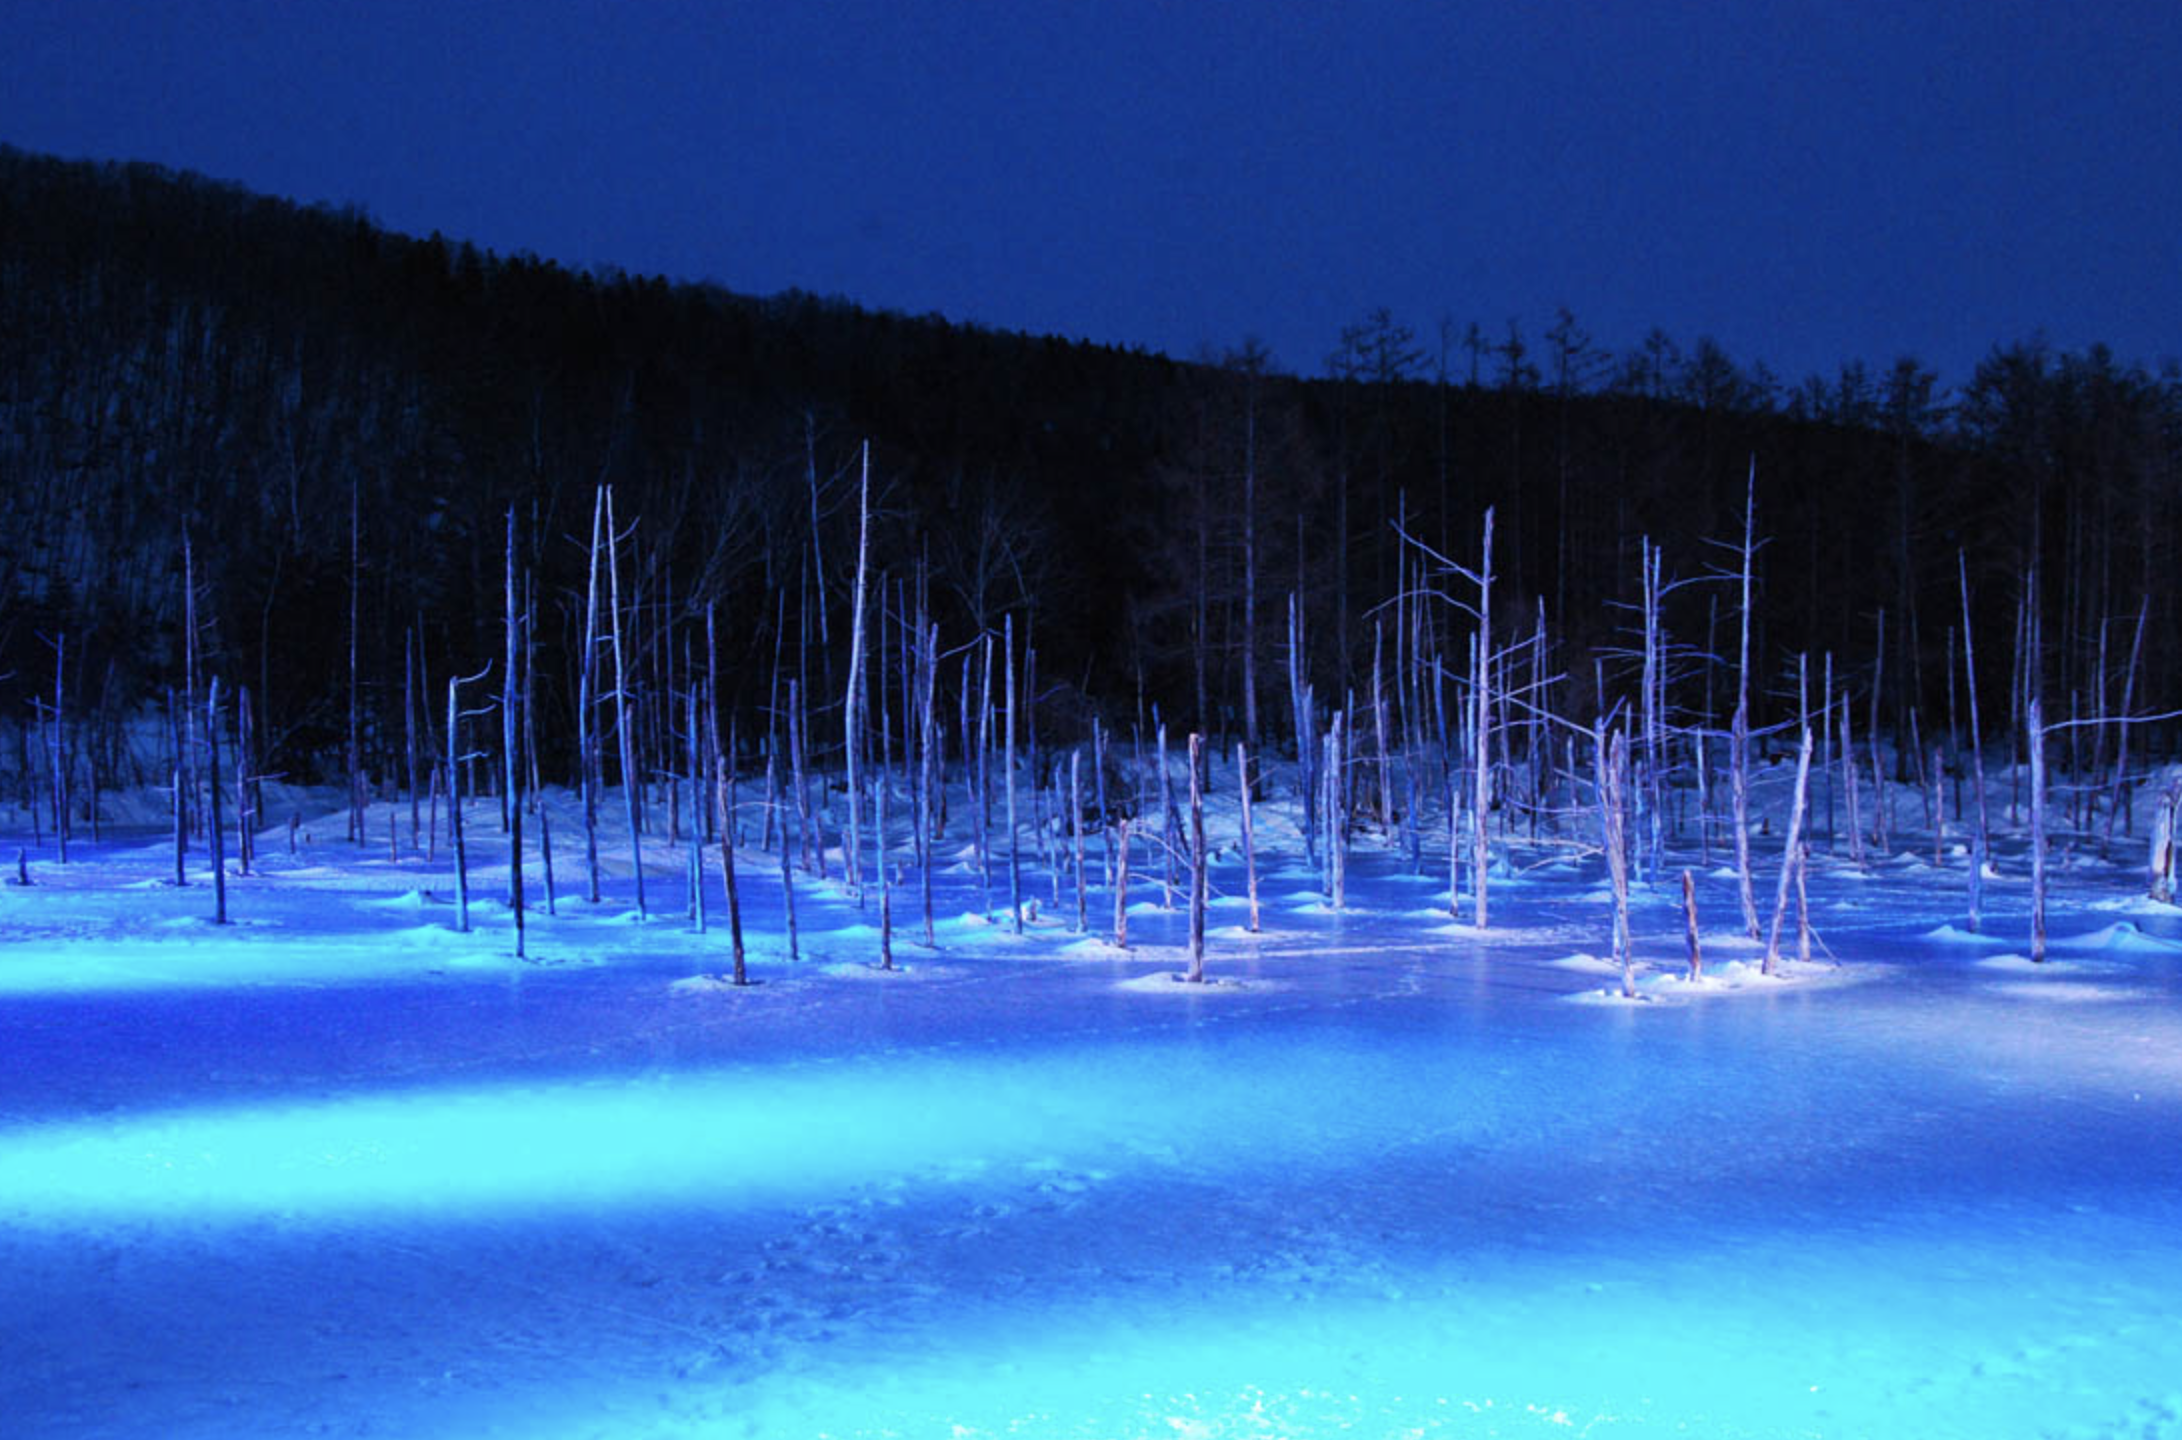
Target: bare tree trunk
[[1015, 874], [1075, 825], [1879, 805], [1170, 828], [60, 749], [1849, 784], [409, 729], [511, 800], [1791, 852], [694, 760], [787, 850], [1336, 806], [454, 803], [181, 795], [1739, 787], [2161, 867], [1938, 804], [1197, 859], [246, 783], [931, 777], [727, 869], [192, 807], [1803, 902], [799, 781], [1378, 719], [854, 726], [1454, 846], [1689, 924], [588, 764], [984, 769], [629, 775], [1982, 846], [217, 834], [355, 734], [1246, 785], [1612, 761], [1482, 800], [545, 852], [1250, 566], [1740, 759], [1299, 699], [2036, 733], [2121, 742], [1121, 889], [878, 851]]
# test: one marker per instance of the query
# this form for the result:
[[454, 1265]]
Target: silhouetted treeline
[[178, 355]]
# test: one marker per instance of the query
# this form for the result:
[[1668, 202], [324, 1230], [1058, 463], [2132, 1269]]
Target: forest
[[331, 466]]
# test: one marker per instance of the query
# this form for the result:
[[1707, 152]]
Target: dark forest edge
[[336, 424]]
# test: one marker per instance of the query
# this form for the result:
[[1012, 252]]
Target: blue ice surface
[[340, 1171]]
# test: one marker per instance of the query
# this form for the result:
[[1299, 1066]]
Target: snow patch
[[1168, 982], [2121, 938], [2065, 992]]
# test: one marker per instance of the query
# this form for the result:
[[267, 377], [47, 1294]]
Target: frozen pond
[[340, 1171]]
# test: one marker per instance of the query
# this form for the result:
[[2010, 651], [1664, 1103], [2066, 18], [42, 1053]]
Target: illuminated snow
[[340, 1170]]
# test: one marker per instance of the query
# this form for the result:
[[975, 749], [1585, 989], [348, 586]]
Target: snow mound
[[869, 970], [1656, 984], [2136, 905], [2123, 938], [1168, 982], [1953, 934], [711, 985]]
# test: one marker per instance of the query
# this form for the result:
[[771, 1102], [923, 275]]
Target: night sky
[[1806, 183]]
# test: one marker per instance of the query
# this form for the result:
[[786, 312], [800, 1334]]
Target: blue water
[[343, 1174]]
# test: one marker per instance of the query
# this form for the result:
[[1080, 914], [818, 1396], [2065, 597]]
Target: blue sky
[[1805, 182]]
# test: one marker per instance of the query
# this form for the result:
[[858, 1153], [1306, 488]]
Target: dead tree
[[1245, 786], [58, 748], [1481, 780], [886, 883], [1739, 752], [626, 732], [511, 806], [853, 725], [1335, 806], [1197, 859], [455, 757], [931, 779], [727, 870], [409, 735], [1121, 889], [2121, 741], [1307, 744], [1983, 844], [787, 851], [694, 763], [1612, 760], [2160, 870], [1015, 871], [1850, 790], [217, 835], [355, 730], [2035, 735], [1791, 852], [181, 794], [1075, 828], [246, 782], [1689, 924]]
